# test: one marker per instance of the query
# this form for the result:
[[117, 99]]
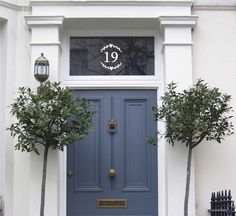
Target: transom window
[[111, 56]]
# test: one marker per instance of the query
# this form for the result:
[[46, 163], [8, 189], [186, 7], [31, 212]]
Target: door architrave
[[127, 82]]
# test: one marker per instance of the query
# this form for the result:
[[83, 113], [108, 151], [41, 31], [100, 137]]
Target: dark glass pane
[[111, 56]]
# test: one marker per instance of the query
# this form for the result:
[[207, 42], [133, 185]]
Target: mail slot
[[112, 203]]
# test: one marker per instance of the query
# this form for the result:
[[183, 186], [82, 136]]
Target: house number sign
[[111, 57]]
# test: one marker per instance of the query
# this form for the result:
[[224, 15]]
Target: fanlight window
[[111, 56]]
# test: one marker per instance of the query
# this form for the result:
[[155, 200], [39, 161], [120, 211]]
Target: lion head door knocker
[[112, 125]]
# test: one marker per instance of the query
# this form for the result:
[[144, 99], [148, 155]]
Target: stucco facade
[[193, 39], [213, 60]]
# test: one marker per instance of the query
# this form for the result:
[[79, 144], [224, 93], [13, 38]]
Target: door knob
[[112, 172], [70, 173]]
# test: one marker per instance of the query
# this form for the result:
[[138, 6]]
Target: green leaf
[[195, 114], [54, 118]]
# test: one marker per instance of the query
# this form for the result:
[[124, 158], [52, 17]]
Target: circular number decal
[[111, 57]]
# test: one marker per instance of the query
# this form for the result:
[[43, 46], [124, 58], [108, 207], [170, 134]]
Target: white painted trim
[[45, 43], [215, 7], [180, 44], [113, 85], [3, 111], [62, 184], [112, 81], [178, 21], [143, 10], [44, 20], [162, 155], [177, 44], [14, 6], [115, 2]]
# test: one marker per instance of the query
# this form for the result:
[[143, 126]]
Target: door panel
[[88, 152], [137, 155], [125, 150]]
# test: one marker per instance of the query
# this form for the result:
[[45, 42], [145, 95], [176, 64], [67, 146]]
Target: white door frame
[[116, 82]]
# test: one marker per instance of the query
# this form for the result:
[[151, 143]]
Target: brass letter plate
[[112, 203]]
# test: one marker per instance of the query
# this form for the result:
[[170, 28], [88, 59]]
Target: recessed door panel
[[87, 156], [114, 170], [136, 154]]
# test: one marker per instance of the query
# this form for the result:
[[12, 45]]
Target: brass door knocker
[[112, 125]]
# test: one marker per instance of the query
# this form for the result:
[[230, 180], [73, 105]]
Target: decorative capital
[[178, 21], [44, 20]]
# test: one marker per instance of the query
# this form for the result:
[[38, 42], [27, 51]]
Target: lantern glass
[[41, 69]]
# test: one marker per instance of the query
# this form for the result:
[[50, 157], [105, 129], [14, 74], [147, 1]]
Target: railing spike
[[221, 204]]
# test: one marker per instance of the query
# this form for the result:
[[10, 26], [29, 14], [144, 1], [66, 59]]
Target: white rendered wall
[[8, 39], [14, 72], [2, 116], [21, 178], [215, 61], [20, 173]]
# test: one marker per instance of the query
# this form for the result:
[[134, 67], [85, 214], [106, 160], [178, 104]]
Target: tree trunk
[[45, 159], [188, 181]]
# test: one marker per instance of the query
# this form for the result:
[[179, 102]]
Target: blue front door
[[113, 171]]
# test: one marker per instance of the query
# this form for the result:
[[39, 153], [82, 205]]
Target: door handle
[[70, 173], [112, 173]]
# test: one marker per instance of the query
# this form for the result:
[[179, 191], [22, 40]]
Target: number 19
[[112, 57]]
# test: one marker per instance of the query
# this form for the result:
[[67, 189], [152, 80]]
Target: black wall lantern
[[41, 70]]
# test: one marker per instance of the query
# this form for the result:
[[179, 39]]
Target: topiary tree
[[53, 119], [192, 116]]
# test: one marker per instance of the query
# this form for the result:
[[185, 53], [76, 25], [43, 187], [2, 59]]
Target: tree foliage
[[195, 114], [53, 119]]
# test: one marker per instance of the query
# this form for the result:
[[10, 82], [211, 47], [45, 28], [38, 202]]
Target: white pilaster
[[177, 52], [2, 119], [45, 38]]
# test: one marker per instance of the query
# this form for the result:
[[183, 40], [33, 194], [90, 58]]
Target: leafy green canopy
[[195, 114], [53, 119]]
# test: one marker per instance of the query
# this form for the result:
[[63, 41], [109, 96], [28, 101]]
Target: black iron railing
[[222, 204]]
